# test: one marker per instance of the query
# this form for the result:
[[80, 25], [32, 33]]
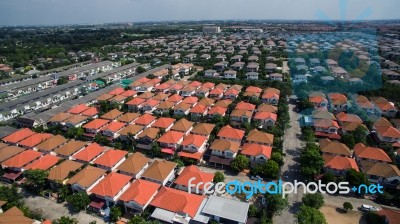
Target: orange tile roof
[[267, 108], [146, 95], [253, 89], [203, 128], [91, 112], [9, 151], [259, 136], [150, 133], [111, 185], [193, 171], [389, 132], [195, 84], [245, 106], [177, 201], [136, 101], [161, 96], [265, 115], [22, 159], [208, 85], [145, 119], [222, 145], [175, 98], [132, 129], [317, 99], [163, 86], [207, 101], [18, 135], [117, 91], [182, 125], [43, 163], [171, 137], [199, 109], [232, 91], [70, 148], [325, 123], [382, 122], [110, 158], [343, 117], [113, 126], [192, 139], [16, 216], [252, 149], [96, 123], [140, 191], [129, 93], [216, 91], [223, 103], [272, 90], [163, 122], [362, 151], [89, 152], [229, 132], [270, 95], [78, 109], [35, 139], [338, 98], [190, 100], [151, 103], [339, 162], [87, 176], [217, 110]]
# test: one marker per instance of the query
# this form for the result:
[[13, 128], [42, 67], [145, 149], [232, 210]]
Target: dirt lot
[[335, 215]]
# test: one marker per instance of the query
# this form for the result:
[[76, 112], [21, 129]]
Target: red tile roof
[[110, 158], [199, 109], [262, 115], [89, 153], [136, 101], [229, 132], [96, 123], [252, 149], [175, 98], [144, 120], [43, 163], [129, 93], [22, 159], [177, 201], [18, 135], [190, 100], [163, 122], [113, 126], [389, 132], [91, 112], [117, 91], [340, 162], [217, 110], [140, 191], [192, 139], [111, 185], [245, 106], [193, 171], [171, 137], [362, 151], [343, 117], [34, 140], [78, 109]]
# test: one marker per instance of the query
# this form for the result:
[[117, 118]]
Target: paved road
[[52, 210], [290, 170]]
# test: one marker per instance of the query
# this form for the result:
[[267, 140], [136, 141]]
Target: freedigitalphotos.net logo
[[252, 188]]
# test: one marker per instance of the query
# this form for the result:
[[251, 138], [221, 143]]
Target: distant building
[[211, 29]]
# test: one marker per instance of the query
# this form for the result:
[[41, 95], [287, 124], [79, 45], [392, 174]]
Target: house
[[327, 126], [173, 205], [231, 134], [164, 123], [183, 126], [318, 100], [86, 179], [78, 109], [194, 143], [111, 187], [188, 90], [111, 159], [161, 97], [270, 96], [89, 153], [207, 101], [15, 215], [139, 195], [59, 119], [164, 107], [224, 149], [230, 74], [192, 100], [381, 172], [135, 104], [211, 73], [130, 130], [182, 109], [237, 212], [256, 153], [9, 151], [51, 143], [265, 119], [338, 102], [338, 165], [391, 216], [170, 141], [93, 112], [43, 163], [16, 163], [334, 148], [146, 138], [146, 120], [252, 67], [134, 165], [192, 174], [160, 172], [216, 110], [372, 154], [270, 67], [267, 108], [252, 75], [276, 77], [297, 79], [59, 174], [348, 121], [231, 94], [245, 106], [176, 98], [203, 129], [241, 117], [149, 105], [128, 117], [94, 126], [18, 136], [385, 107], [75, 121], [259, 137], [68, 149], [217, 93], [388, 134], [198, 111], [363, 103], [111, 129]]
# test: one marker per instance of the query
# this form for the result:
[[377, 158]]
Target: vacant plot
[[335, 215]]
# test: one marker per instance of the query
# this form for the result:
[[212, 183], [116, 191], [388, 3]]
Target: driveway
[[52, 210]]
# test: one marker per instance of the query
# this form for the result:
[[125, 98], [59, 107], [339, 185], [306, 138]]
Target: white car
[[369, 208]]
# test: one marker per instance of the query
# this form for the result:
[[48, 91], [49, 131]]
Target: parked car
[[369, 208]]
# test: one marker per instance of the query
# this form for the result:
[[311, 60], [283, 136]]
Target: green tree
[[360, 134], [347, 206], [348, 139], [276, 204], [140, 69], [240, 163], [137, 220], [62, 80], [313, 200], [356, 178], [308, 215], [11, 195], [35, 180], [311, 161], [218, 177], [328, 177], [79, 201], [271, 169], [115, 213], [277, 157], [65, 220], [252, 211]]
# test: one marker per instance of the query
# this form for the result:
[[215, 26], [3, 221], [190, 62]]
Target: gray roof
[[6, 130], [226, 208]]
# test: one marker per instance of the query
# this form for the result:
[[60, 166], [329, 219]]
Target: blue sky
[[48, 12]]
